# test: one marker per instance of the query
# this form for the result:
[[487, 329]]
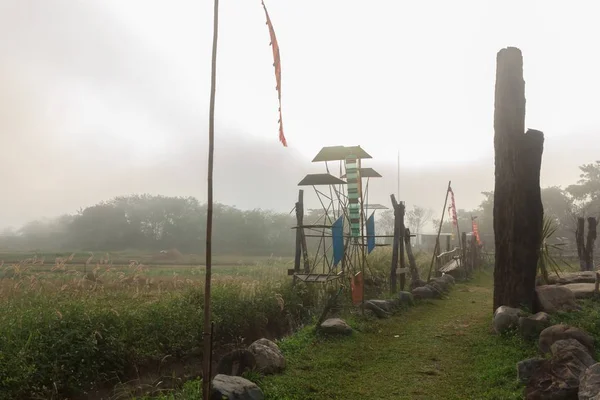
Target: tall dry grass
[[65, 330]]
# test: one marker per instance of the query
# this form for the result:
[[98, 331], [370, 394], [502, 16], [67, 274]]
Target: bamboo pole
[[207, 353], [437, 241]]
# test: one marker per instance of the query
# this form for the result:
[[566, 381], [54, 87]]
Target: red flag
[[475, 230], [277, 65], [452, 208]]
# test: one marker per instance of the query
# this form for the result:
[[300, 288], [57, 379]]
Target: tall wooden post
[[518, 210], [463, 253], [395, 245], [437, 240], [401, 211], [207, 337]]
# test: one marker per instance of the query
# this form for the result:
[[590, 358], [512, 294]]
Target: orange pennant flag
[[277, 65]]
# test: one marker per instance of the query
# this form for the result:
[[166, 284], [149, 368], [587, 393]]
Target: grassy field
[[441, 349], [89, 329]]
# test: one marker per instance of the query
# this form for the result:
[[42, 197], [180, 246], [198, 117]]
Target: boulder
[[234, 388], [526, 368], [582, 290], [423, 292], [555, 298], [269, 359], [440, 285], [555, 333], [506, 318], [385, 305], [435, 289], [531, 326], [558, 378], [417, 283], [236, 362], [377, 307], [336, 326], [589, 383], [448, 278], [571, 345], [565, 278], [406, 298]]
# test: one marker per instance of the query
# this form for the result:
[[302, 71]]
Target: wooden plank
[[400, 271]]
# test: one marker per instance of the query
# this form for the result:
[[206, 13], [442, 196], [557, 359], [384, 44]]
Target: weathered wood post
[[395, 244], [398, 246], [415, 279], [448, 246], [301, 247], [437, 251], [591, 239], [518, 210], [401, 211], [463, 253]]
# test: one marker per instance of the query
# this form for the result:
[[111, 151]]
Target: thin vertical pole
[[362, 234], [207, 356], [437, 240]]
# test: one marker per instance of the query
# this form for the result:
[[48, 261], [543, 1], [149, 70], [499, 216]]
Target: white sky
[[100, 98], [414, 76]]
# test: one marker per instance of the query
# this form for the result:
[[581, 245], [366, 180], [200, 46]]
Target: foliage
[[440, 349], [146, 222], [62, 333], [548, 261], [417, 218]]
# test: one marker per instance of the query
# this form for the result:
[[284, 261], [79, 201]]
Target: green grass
[[60, 343], [441, 349], [438, 350]]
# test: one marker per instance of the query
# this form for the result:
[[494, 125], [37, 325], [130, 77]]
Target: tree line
[[148, 222]]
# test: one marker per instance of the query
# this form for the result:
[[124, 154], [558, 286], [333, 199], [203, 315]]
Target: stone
[[269, 358], [336, 326], [440, 285], [572, 277], [506, 318], [417, 283], [558, 378], [571, 345], [236, 362], [436, 290], [582, 290], [377, 308], [383, 304], [234, 388], [406, 298], [531, 326], [555, 298], [423, 292], [448, 278], [589, 383], [526, 368], [555, 333]]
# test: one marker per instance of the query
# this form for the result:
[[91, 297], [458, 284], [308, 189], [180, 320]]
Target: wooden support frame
[[398, 246]]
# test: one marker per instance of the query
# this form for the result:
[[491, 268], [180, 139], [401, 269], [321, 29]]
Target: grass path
[[440, 349]]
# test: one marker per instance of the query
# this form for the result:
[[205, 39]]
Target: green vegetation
[[63, 333], [438, 350]]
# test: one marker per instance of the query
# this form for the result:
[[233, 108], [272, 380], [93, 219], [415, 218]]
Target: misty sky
[[100, 98]]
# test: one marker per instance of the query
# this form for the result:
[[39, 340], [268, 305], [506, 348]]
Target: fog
[[106, 98]]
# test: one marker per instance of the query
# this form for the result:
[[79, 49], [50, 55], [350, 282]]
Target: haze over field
[[98, 99]]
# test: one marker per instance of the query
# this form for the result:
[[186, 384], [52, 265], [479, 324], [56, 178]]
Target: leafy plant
[[548, 261]]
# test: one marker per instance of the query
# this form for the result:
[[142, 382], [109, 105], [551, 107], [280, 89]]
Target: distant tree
[[385, 222], [417, 218], [586, 192], [560, 208]]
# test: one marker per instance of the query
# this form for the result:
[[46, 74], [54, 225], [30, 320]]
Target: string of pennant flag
[[277, 65]]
